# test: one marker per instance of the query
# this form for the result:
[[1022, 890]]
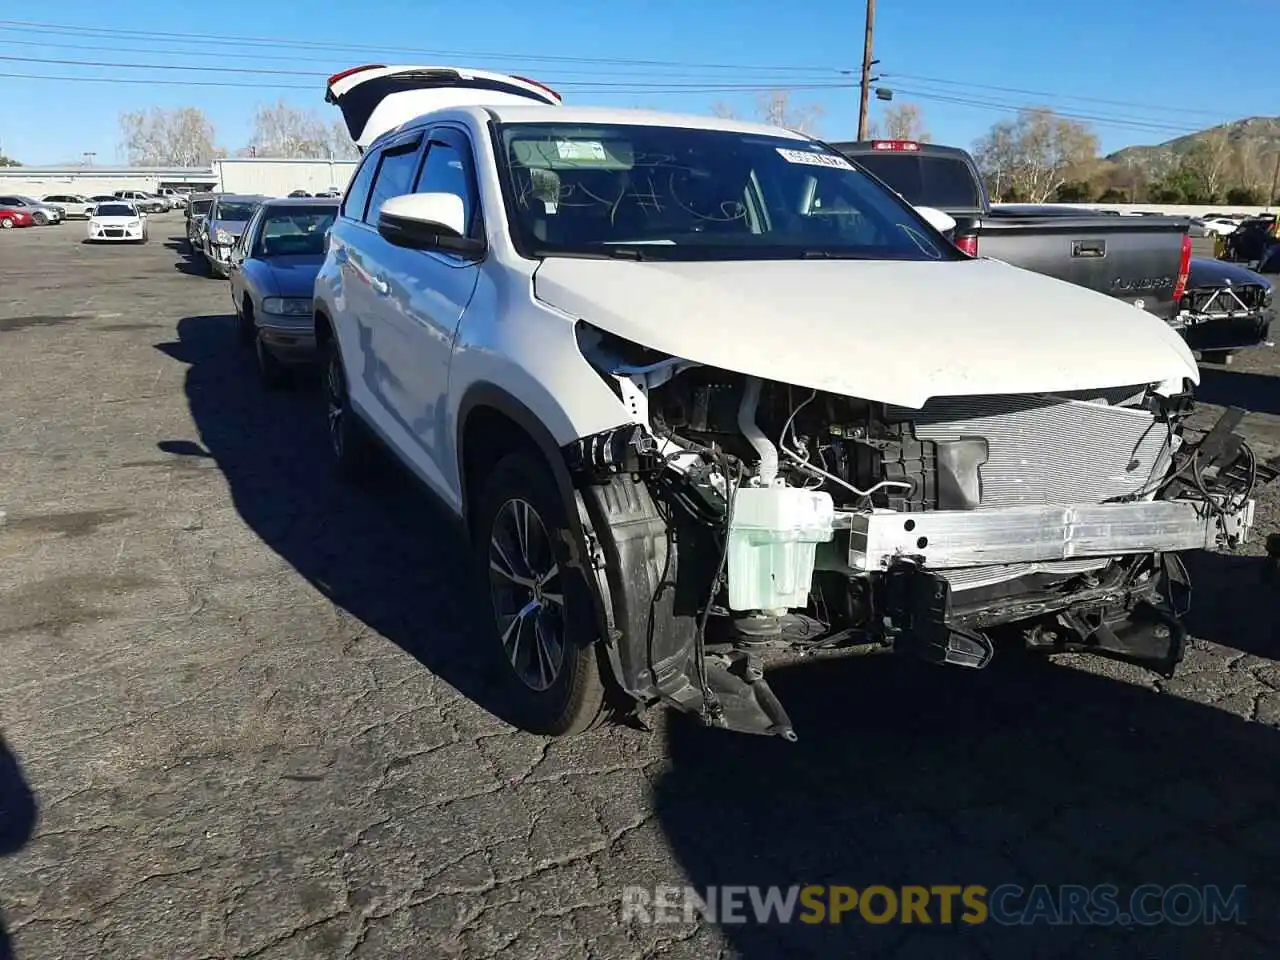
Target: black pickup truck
[[1144, 260]]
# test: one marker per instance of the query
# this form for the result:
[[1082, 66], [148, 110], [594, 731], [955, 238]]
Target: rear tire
[[349, 441], [6, 223], [542, 632]]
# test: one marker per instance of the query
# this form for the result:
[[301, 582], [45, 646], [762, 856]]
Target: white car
[[74, 204], [699, 388], [119, 222], [1219, 226]]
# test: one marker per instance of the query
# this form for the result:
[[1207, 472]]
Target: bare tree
[[905, 122], [724, 111], [181, 137], [341, 146], [777, 108], [1029, 157], [1210, 160], [283, 130]]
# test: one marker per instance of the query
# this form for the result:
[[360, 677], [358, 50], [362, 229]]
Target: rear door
[[377, 98]]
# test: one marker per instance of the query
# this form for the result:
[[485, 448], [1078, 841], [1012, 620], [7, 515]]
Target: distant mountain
[[1254, 136]]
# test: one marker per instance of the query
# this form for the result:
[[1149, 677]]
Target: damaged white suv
[[702, 390]]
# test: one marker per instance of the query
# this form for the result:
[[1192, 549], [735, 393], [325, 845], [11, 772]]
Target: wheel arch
[[491, 421]]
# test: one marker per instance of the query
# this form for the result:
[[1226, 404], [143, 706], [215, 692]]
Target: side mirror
[[940, 221], [428, 221]]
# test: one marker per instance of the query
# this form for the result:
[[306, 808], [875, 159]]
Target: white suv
[[702, 389]]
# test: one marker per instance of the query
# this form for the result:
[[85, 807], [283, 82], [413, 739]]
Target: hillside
[[1254, 136]]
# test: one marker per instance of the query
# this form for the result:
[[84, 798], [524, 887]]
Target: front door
[[422, 296]]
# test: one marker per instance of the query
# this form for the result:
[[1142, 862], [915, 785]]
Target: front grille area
[[1225, 301], [1051, 449]]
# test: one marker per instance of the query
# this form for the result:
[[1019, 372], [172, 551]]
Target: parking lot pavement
[[241, 720]]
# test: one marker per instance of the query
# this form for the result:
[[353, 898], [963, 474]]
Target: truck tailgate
[[1137, 259]]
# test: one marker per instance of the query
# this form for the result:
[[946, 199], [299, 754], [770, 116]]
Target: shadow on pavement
[[1256, 392], [18, 817], [191, 267], [1235, 601], [1030, 773], [383, 552]]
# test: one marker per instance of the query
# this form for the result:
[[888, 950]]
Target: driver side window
[[447, 169]]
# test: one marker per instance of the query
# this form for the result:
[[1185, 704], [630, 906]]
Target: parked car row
[[20, 210], [702, 390]]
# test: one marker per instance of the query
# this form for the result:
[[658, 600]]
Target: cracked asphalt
[[242, 717]]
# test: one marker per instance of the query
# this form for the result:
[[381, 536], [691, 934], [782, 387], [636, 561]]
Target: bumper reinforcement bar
[[946, 539]]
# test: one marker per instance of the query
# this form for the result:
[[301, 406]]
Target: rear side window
[[394, 177], [926, 181], [358, 190]]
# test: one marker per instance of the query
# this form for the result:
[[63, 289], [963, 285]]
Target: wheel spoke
[[526, 593]]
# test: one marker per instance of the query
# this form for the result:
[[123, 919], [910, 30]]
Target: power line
[[65, 29], [627, 89], [1056, 96], [697, 85], [1104, 120], [643, 76]]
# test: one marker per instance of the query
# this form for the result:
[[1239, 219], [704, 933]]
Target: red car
[[10, 217]]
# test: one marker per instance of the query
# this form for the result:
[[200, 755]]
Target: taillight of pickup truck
[[1184, 270]]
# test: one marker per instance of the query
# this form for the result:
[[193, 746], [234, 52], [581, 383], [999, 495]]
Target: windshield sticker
[[580, 150], [814, 159]]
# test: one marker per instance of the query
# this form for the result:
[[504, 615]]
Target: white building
[[267, 176], [90, 180], [273, 177]]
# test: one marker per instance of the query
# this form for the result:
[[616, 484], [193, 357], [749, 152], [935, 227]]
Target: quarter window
[[358, 190]]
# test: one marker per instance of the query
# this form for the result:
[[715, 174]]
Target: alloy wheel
[[335, 402], [524, 584]]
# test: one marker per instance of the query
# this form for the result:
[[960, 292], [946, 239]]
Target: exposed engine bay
[[794, 519]]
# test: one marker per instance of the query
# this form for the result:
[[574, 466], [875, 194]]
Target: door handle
[[380, 286]]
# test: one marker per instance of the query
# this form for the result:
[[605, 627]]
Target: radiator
[[1052, 449]]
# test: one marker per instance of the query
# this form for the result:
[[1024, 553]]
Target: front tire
[[273, 374], [350, 445], [246, 329], [6, 223], [548, 669], [40, 219]]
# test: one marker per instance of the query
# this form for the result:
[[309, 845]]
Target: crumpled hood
[[293, 276], [890, 331]]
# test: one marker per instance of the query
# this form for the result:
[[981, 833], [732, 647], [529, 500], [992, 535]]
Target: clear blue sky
[[1170, 62]]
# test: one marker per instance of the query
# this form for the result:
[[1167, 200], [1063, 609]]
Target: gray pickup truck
[[1143, 260]]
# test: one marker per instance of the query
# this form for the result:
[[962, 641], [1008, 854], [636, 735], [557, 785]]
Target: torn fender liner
[[652, 596]]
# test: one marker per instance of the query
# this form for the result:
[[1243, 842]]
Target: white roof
[[537, 113]]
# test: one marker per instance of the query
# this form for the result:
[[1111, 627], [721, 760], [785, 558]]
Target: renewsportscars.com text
[[941, 904]]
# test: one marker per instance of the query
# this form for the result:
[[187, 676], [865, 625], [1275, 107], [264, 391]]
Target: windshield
[[294, 231], [672, 193], [200, 207], [114, 210], [943, 182], [235, 212]]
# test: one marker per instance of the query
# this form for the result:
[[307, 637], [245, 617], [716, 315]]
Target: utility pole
[[1275, 179], [867, 63]]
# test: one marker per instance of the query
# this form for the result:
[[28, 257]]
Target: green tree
[[1074, 191], [1245, 196]]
